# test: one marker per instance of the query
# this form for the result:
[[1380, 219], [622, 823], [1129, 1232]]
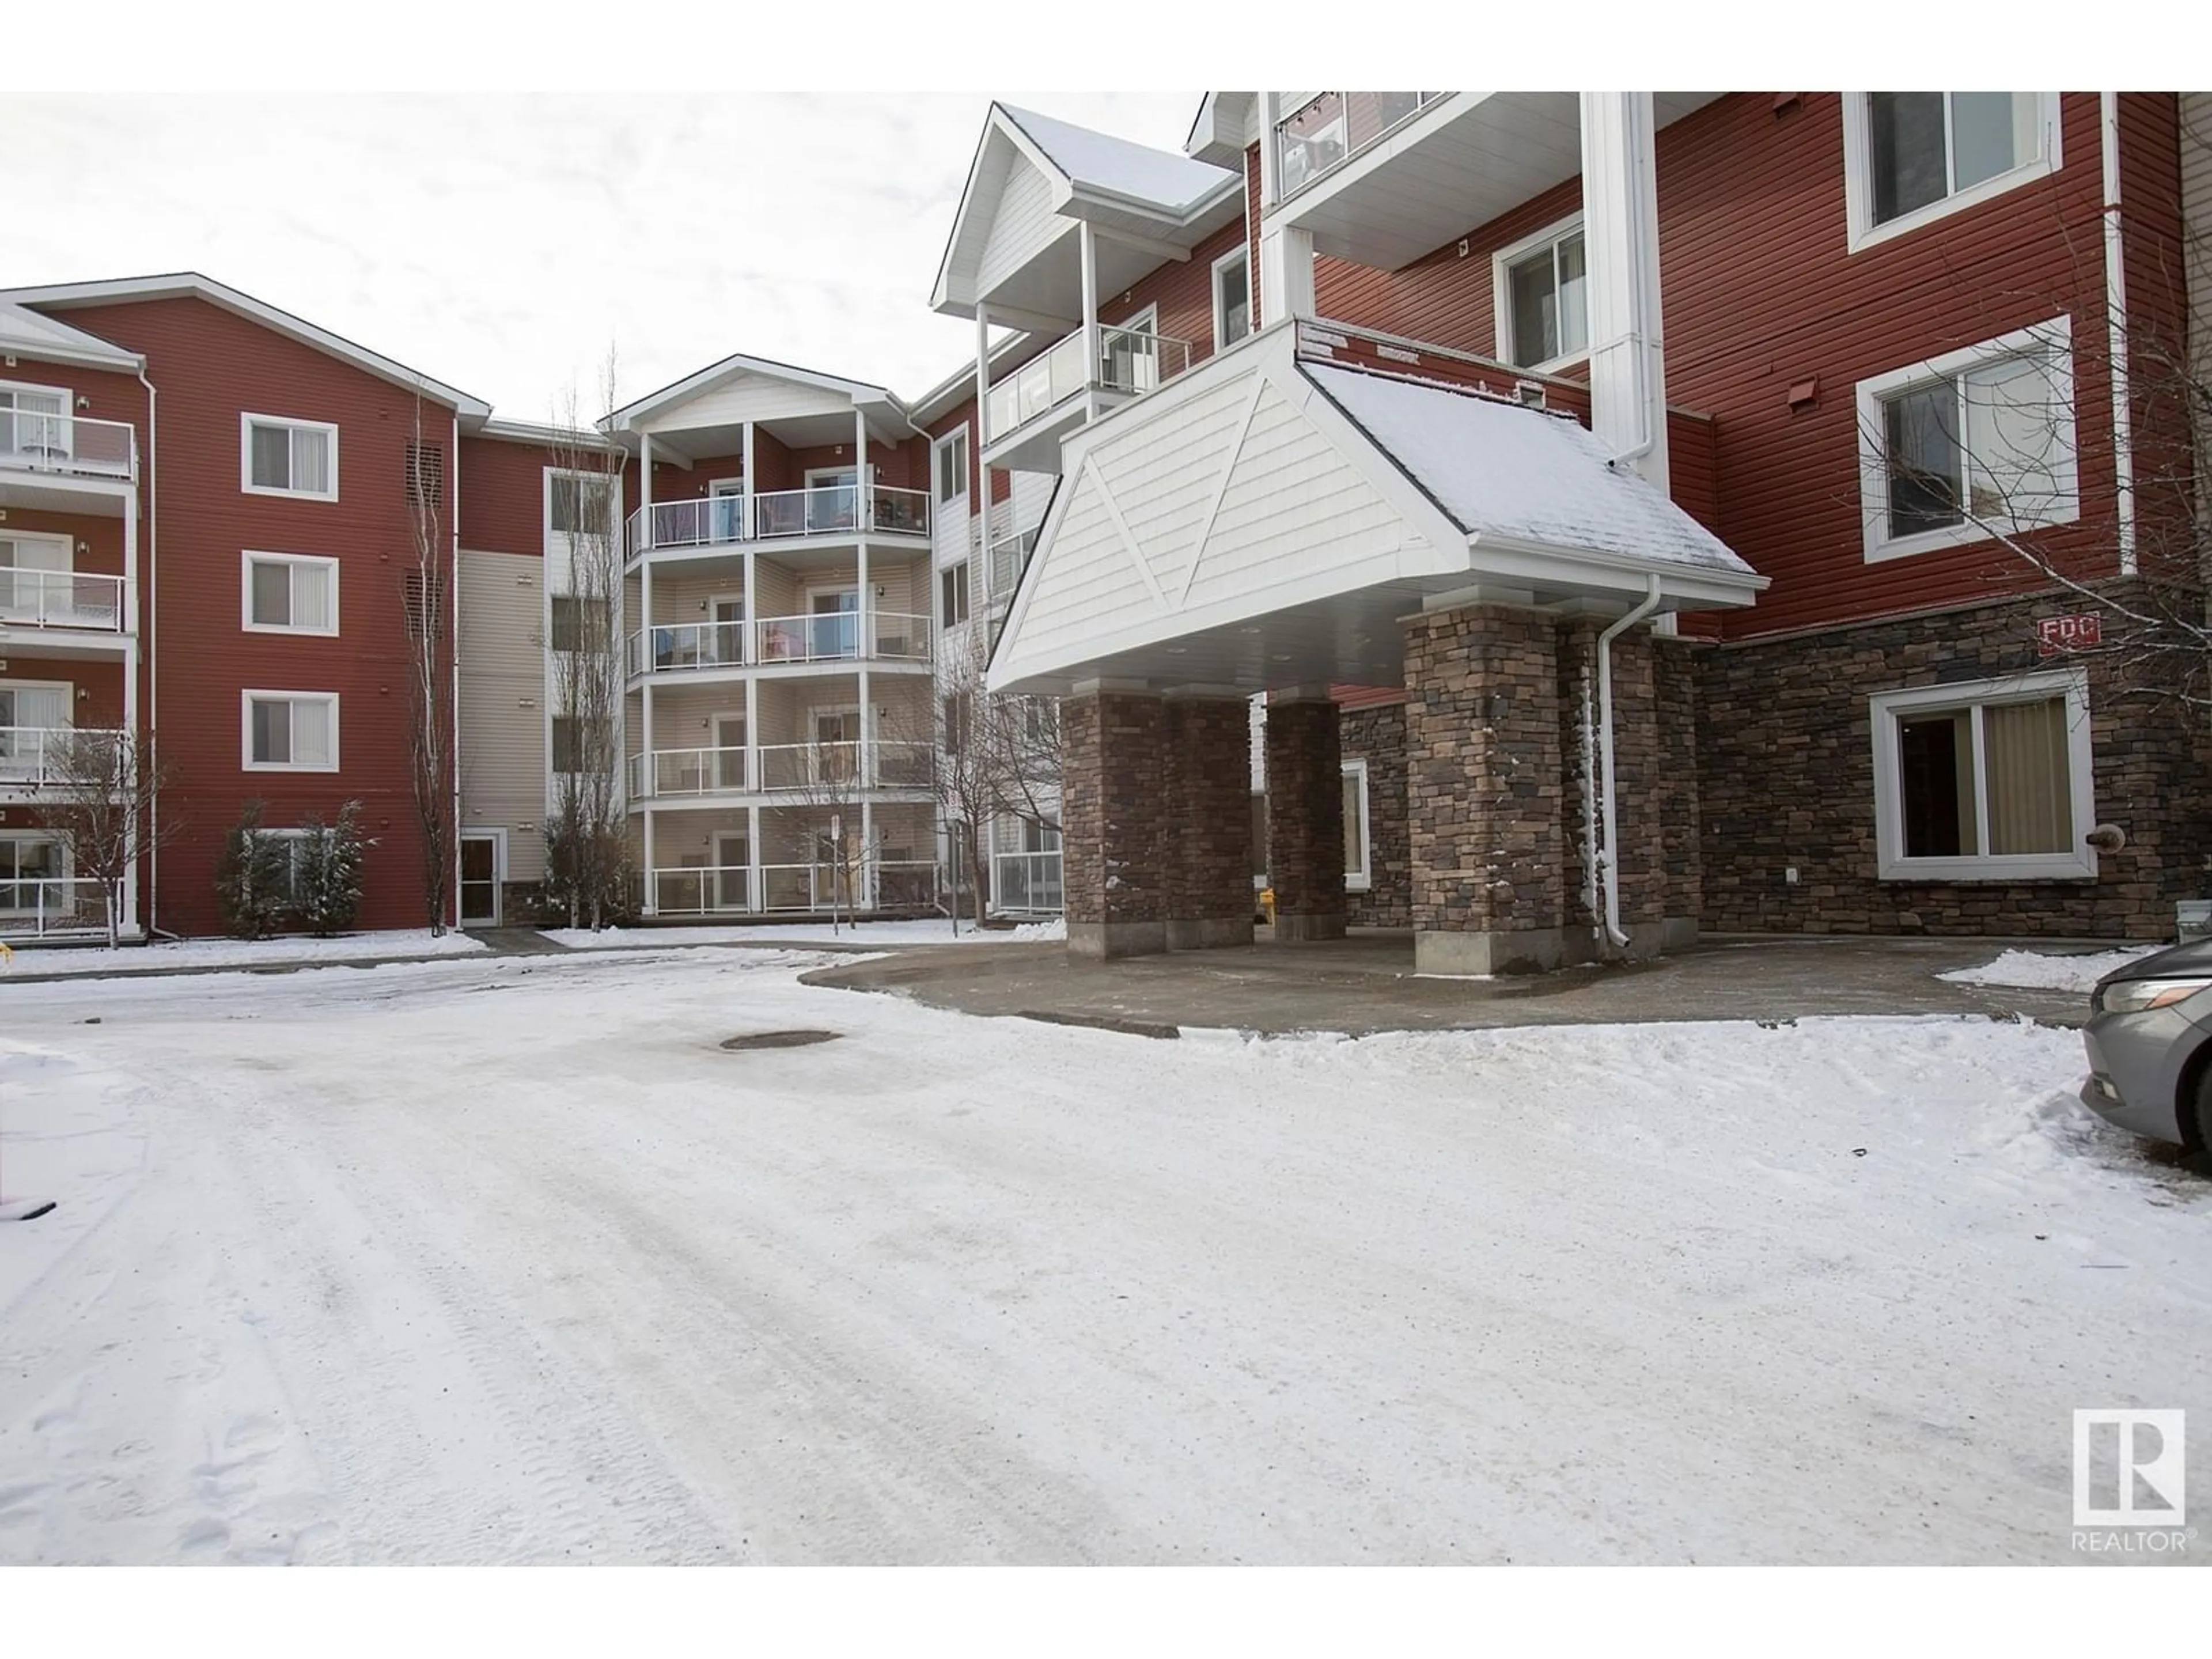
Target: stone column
[[1485, 791], [1115, 850], [1209, 843], [1641, 788], [1675, 663], [1305, 819]]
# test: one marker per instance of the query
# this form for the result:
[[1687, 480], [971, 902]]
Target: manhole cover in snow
[[780, 1039]]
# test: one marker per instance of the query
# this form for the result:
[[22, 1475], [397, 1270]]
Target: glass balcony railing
[[817, 510], [55, 442], [1332, 127], [1129, 361]]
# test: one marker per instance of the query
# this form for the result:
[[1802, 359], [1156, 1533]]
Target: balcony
[[1027, 414], [780, 515], [71, 444], [792, 889], [39, 757], [822, 772], [1322, 134], [1026, 884], [64, 599], [51, 907], [886, 637]]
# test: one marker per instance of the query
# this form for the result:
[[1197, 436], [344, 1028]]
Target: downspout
[[152, 645], [1608, 858], [2116, 324], [453, 609]]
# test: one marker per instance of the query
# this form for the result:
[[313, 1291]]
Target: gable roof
[[24, 332], [1098, 163], [715, 373], [61, 296]]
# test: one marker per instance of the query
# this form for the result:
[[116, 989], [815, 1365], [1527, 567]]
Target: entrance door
[[837, 622], [1133, 360], [733, 857], [34, 424], [727, 642], [480, 862], [729, 752], [837, 749], [32, 570], [833, 498], [725, 519], [31, 719]]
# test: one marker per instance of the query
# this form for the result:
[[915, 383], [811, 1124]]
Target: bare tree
[[832, 781], [997, 756], [587, 840], [99, 806], [426, 602]]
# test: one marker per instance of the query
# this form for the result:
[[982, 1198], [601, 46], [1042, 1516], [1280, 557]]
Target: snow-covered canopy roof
[[1101, 164], [24, 333], [1506, 472]]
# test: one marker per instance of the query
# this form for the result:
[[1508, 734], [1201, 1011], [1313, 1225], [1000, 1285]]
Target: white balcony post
[[979, 436], [868, 871], [752, 735], [1620, 233], [645, 488], [645, 733], [748, 529], [652, 904], [1091, 353], [752, 844], [867, 616], [1271, 187]]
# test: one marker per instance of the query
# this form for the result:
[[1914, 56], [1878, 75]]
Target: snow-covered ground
[[865, 935], [507, 1259], [2051, 970], [236, 952]]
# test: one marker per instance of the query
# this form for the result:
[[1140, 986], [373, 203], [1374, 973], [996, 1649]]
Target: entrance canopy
[[1266, 519]]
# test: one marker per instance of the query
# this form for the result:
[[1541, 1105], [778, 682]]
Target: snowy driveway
[[506, 1260]]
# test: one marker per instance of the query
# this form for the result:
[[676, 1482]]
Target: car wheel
[[2200, 1131]]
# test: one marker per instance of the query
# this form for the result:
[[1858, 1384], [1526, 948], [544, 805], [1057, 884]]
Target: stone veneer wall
[[1377, 736], [1208, 782], [1675, 686], [1786, 777], [1305, 819], [1637, 774], [1116, 840]]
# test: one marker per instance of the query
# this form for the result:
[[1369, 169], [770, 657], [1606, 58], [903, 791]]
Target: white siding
[[502, 684], [1022, 225], [750, 398]]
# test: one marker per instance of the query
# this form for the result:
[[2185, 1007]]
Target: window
[[1973, 442], [1988, 781], [287, 458], [572, 616], [28, 863], [1910, 157], [1541, 298], [34, 422], [578, 503], [1356, 878], [290, 593], [952, 466], [576, 740], [291, 731], [1233, 297], [952, 595]]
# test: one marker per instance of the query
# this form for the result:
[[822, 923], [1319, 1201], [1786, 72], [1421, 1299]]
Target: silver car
[[2149, 1038]]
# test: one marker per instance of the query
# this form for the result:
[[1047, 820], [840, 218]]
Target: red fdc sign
[[2054, 635]]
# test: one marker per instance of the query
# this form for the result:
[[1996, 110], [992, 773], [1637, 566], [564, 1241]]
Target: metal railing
[[671, 648], [1329, 128], [68, 443], [1010, 556], [898, 636], [35, 906], [1026, 884], [716, 890], [1129, 360], [39, 754], [730, 889], [819, 768], [817, 510], [688, 772], [822, 771], [63, 599]]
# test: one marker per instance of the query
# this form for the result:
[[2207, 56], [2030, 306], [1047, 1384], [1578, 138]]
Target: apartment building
[[1642, 512]]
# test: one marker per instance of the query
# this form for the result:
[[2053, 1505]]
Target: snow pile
[[2049, 970], [238, 953], [859, 936]]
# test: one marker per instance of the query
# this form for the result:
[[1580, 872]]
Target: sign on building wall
[[2056, 635]]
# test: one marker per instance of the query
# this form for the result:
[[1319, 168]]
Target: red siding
[[210, 365]]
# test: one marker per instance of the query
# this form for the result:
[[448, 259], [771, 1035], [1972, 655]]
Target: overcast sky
[[501, 243]]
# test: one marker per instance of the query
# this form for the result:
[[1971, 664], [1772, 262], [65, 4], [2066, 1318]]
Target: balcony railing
[[728, 890], [1026, 884], [68, 443], [819, 510], [821, 770], [63, 599], [36, 756], [35, 907], [1331, 128], [1010, 556], [831, 636], [720, 890], [1129, 361]]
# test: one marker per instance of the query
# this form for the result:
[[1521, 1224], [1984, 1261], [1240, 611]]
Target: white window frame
[[246, 702], [249, 558], [1360, 879], [1878, 544], [613, 482], [959, 436], [966, 567], [1241, 254], [1501, 295], [64, 865], [1858, 173], [1883, 711], [247, 421]]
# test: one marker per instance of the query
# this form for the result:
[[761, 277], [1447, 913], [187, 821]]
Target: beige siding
[[750, 398], [502, 683], [682, 595], [1022, 226]]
